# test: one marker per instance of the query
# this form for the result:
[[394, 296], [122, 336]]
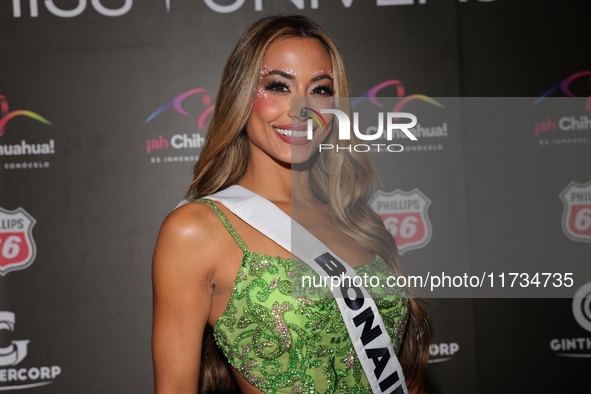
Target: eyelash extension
[[329, 91], [277, 87]]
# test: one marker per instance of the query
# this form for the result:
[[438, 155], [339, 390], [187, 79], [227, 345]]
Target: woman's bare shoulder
[[190, 220], [186, 234]]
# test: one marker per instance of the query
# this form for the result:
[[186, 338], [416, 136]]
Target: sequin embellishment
[[281, 344]]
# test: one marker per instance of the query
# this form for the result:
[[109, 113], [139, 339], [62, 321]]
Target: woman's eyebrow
[[281, 73], [319, 77]]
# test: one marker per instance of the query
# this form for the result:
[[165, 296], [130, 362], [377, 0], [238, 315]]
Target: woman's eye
[[277, 87], [323, 91]]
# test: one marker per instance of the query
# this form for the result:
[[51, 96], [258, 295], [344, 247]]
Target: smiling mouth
[[295, 132]]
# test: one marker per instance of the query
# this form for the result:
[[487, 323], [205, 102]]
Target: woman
[[213, 272]]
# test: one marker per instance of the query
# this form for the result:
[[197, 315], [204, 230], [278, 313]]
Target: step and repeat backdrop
[[104, 105]]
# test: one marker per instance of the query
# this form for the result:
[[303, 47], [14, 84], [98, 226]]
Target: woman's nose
[[298, 109]]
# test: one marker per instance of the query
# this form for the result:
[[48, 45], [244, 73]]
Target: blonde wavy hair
[[342, 180]]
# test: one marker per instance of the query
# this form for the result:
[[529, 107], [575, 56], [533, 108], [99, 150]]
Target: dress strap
[[226, 223]]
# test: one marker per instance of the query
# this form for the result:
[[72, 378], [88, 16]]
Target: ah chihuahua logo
[[177, 105], [566, 119], [182, 140], [6, 115], [572, 86], [13, 151], [372, 93]]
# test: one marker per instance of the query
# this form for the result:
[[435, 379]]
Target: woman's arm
[[182, 277]]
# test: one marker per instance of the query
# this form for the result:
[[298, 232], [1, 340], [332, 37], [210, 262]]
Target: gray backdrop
[[94, 154]]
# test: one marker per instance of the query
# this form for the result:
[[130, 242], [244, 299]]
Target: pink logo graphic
[[405, 217], [371, 94], [6, 115], [17, 247], [177, 105], [576, 219], [565, 86]]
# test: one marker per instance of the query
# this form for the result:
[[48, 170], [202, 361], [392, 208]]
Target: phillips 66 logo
[[17, 247], [405, 216], [576, 219]]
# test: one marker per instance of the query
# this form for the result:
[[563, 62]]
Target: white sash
[[364, 323]]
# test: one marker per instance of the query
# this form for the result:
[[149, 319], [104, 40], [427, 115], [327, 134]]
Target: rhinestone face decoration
[[329, 72], [261, 93], [265, 71], [289, 71]]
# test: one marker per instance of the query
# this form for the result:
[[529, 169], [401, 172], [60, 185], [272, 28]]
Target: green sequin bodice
[[283, 342]]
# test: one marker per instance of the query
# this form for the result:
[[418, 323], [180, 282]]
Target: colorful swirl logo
[[565, 87], [372, 93], [582, 306], [6, 115], [177, 105]]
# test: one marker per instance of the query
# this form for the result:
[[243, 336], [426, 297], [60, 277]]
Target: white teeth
[[291, 133]]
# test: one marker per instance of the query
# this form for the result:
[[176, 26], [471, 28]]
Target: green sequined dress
[[283, 342]]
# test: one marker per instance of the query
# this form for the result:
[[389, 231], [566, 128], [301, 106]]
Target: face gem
[[329, 72], [265, 70], [262, 93]]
